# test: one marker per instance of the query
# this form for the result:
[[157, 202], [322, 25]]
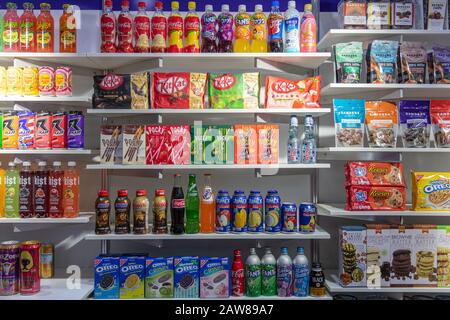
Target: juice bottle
[[225, 34], [275, 27], [71, 191], [175, 27], [191, 30], [108, 25], [242, 32], [67, 30], [26, 191], [291, 29], [209, 32], [2, 191], [142, 29], [125, 29], [28, 29], [308, 31], [159, 29], [1, 33], [55, 178], [12, 191], [208, 207], [45, 30], [11, 29], [259, 30], [192, 206], [41, 191]]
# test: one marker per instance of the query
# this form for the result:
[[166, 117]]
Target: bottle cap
[[175, 5], [239, 191], [252, 251], [268, 249], [158, 5], [223, 191], [141, 4], [108, 3], [26, 164], [28, 6], [258, 7], [291, 4], [177, 175], [103, 193], [309, 120], [125, 3], [242, 7], [56, 163], [122, 193], [294, 121], [300, 250], [42, 163], [237, 252], [71, 164], [141, 193], [209, 7], [45, 6], [225, 7], [308, 7], [11, 5], [275, 3], [284, 250], [11, 164], [255, 191], [192, 5], [160, 192], [272, 191]]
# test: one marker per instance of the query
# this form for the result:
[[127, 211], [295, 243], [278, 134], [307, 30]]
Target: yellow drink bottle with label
[[2, 192], [242, 32], [258, 24]]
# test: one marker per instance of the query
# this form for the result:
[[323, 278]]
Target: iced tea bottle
[[12, 191], [192, 30], [56, 177], [28, 29], [67, 30], [26, 191], [11, 27], [2, 191], [71, 191], [45, 30], [175, 29], [142, 29], [207, 208], [192, 206], [108, 25], [41, 191]]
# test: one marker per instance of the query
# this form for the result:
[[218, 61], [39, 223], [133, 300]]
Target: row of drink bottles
[[252, 33], [283, 277], [301, 150], [205, 212], [47, 192], [29, 33]]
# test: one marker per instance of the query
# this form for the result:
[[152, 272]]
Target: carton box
[[424, 257], [245, 144], [214, 277], [443, 251], [133, 144], [197, 144], [132, 271], [352, 256], [179, 144], [268, 142], [186, 277], [111, 144], [106, 278], [378, 255], [159, 278], [402, 247], [156, 144]]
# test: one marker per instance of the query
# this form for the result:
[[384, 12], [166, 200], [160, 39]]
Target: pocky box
[[424, 255], [186, 277], [214, 277], [180, 144], [268, 142], [245, 144], [378, 255], [133, 144], [159, 278], [106, 277], [132, 271], [111, 144], [234, 91], [197, 143], [157, 146]]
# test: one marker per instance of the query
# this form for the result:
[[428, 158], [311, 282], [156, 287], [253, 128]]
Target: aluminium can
[[9, 268], [255, 204], [289, 217], [223, 212], [272, 210], [239, 212], [29, 267], [307, 217]]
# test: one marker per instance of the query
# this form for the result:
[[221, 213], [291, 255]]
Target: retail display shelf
[[334, 36], [58, 289], [310, 298], [74, 100], [46, 151], [301, 166], [83, 218], [387, 150], [337, 210], [318, 234]]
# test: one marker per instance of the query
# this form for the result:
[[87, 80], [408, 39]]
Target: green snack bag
[[234, 91], [349, 59], [197, 144]]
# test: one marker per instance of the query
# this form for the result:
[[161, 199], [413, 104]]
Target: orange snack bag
[[381, 123], [245, 144], [268, 140]]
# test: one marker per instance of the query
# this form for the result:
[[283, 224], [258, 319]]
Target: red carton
[[245, 144], [180, 144], [157, 144]]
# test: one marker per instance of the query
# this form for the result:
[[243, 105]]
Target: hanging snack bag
[[285, 93], [234, 91], [440, 118], [349, 122], [403, 14], [352, 14], [381, 124], [435, 13], [348, 59], [415, 123], [378, 14], [439, 65], [413, 62], [382, 62]]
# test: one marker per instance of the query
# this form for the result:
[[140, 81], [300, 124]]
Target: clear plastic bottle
[[291, 29], [208, 204], [308, 31], [142, 29], [259, 30], [125, 29], [12, 191], [293, 147], [209, 30], [159, 29], [225, 21], [2, 191], [308, 150], [71, 191], [242, 33], [275, 27], [108, 25], [192, 29]]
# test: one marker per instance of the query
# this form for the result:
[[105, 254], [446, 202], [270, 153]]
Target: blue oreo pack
[[106, 278], [186, 277]]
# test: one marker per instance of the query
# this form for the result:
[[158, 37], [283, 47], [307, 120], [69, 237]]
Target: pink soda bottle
[[28, 23], [209, 30], [108, 28], [192, 30], [142, 29], [11, 28], [125, 29], [159, 29], [225, 34]]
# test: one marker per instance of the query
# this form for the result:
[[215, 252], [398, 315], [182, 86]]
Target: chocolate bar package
[[214, 277], [424, 256], [402, 247], [186, 277], [352, 256], [159, 278], [439, 65], [234, 91], [106, 278], [443, 252], [378, 255], [133, 144], [435, 14], [111, 144]]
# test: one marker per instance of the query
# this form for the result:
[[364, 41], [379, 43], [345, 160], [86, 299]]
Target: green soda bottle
[[12, 191], [192, 206], [253, 279], [269, 274]]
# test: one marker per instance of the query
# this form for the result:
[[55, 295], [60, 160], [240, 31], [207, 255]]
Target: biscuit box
[[443, 251], [214, 277], [111, 144], [424, 255], [373, 198], [374, 174], [186, 277], [430, 191], [402, 242], [106, 278], [268, 142], [159, 278], [378, 255], [132, 271], [133, 144], [352, 256]]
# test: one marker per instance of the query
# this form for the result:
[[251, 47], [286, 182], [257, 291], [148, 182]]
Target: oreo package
[[132, 271], [159, 278], [214, 277], [106, 278], [186, 277]]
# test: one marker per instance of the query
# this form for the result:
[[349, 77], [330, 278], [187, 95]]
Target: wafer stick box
[[424, 257], [245, 144], [402, 245], [443, 251], [197, 144], [157, 144], [352, 256], [268, 141], [378, 255], [186, 277], [111, 144], [133, 144]]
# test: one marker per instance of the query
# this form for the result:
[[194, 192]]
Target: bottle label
[[175, 27], [253, 280], [108, 29], [301, 280], [284, 280], [225, 22], [192, 33], [142, 32], [158, 32], [259, 23], [292, 33], [242, 31], [269, 280], [44, 37], [27, 33], [125, 31], [178, 203], [237, 282], [10, 33], [209, 24], [275, 28]]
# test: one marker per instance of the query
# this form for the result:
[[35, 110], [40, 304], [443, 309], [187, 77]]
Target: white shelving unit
[[84, 217], [308, 298], [74, 100], [46, 151], [350, 150], [301, 166], [338, 210]]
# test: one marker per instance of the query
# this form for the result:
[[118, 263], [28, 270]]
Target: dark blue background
[[325, 5]]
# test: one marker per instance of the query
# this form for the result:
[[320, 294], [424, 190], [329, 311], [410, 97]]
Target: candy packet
[[382, 61], [415, 123], [348, 60], [234, 91], [440, 119], [413, 62], [285, 93], [349, 122], [381, 124], [439, 65]]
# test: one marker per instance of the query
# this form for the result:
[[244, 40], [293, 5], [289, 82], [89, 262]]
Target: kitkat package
[[285, 93], [234, 90], [381, 123], [440, 119], [168, 144], [415, 123]]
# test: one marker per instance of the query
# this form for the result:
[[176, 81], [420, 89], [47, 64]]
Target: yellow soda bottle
[[192, 30], [175, 28], [2, 192], [242, 32], [259, 30]]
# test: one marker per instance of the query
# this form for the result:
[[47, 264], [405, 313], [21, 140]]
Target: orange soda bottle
[[192, 30], [2, 191], [175, 27], [207, 208], [45, 30], [28, 29], [71, 191], [242, 32], [67, 30], [259, 30]]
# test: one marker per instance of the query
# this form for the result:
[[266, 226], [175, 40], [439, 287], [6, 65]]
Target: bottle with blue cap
[[284, 274], [275, 23], [301, 274]]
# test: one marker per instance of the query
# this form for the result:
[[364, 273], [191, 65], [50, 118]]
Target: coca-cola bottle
[[159, 29], [237, 275], [142, 29], [108, 28], [125, 29], [177, 207]]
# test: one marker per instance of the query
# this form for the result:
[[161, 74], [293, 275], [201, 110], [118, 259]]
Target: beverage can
[[14, 84], [239, 212], [272, 212], [317, 281], [122, 212], [10, 134], [30, 85], [47, 260], [9, 268], [59, 130], [307, 219], [269, 274], [289, 217], [102, 211], [43, 130], [140, 212], [26, 129], [160, 212], [46, 81], [255, 212], [75, 130], [30, 282], [223, 212], [301, 274], [63, 81]]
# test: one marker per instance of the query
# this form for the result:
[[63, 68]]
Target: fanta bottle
[[242, 32], [125, 29], [108, 25], [142, 29], [45, 30], [207, 208], [225, 34], [67, 30], [175, 27], [291, 29], [192, 30], [71, 186], [259, 30], [275, 27], [2, 192], [159, 29], [209, 32], [11, 26], [28, 29], [12, 191], [308, 31]]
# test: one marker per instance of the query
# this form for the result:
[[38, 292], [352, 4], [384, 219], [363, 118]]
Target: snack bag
[[440, 118], [413, 62], [415, 123], [381, 124], [348, 59], [245, 144], [349, 122], [285, 93], [382, 61], [439, 64], [374, 174], [234, 91], [268, 140], [375, 198], [430, 191]]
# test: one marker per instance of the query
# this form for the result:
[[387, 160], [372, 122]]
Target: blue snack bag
[[349, 115]]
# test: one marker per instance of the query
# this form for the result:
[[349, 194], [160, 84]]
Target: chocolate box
[[111, 144], [352, 256], [402, 247], [159, 278], [378, 255], [424, 255], [186, 277], [106, 277], [443, 252], [214, 277], [133, 144], [132, 272]]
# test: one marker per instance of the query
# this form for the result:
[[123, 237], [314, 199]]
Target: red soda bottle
[[209, 32], [177, 207], [108, 28], [159, 29], [56, 178], [142, 29], [125, 29], [237, 275]]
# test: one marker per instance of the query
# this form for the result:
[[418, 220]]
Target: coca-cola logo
[[126, 25], [281, 86], [159, 25], [175, 25], [178, 203], [111, 82], [171, 85], [193, 25], [224, 82], [108, 23], [143, 25]]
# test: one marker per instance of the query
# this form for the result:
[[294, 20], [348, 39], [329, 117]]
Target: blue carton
[[214, 277], [186, 277], [106, 278], [132, 273], [159, 278]]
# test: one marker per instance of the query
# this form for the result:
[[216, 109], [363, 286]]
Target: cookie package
[[378, 14], [439, 65], [375, 198], [402, 246], [374, 174], [378, 255], [349, 118], [106, 278], [348, 58], [430, 191], [415, 123], [413, 62], [403, 14], [440, 119], [443, 255], [381, 124], [132, 272], [186, 277], [382, 62], [214, 277], [159, 277], [234, 90], [352, 256], [286, 93], [424, 255], [245, 144]]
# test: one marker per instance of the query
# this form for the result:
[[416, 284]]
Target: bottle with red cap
[[237, 275], [159, 29], [102, 211], [177, 207], [160, 212], [140, 212], [125, 29], [142, 29], [108, 25], [122, 212]]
